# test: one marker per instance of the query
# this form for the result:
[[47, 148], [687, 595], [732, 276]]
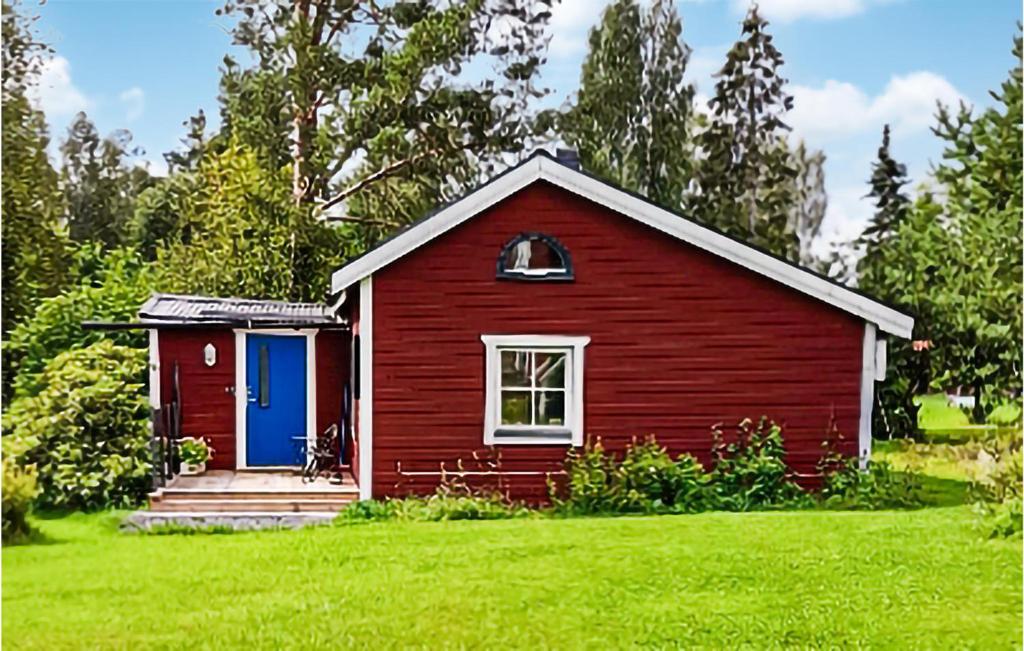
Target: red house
[[541, 310]]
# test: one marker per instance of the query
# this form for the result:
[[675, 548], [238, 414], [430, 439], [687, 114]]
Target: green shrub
[[449, 502], [750, 471], [879, 486], [1003, 519], [86, 430], [19, 490], [647, 480], [998, 490], [113, 286]]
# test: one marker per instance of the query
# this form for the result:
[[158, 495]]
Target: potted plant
[[194, 453]]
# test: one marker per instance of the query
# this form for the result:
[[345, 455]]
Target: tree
[[99, 184], [744, 177], [888, 177], [366, 93], [980, 294], [238, 232], [34, 244], [810, 201], [631, 119]]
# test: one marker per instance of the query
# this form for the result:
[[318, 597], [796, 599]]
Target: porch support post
[[867, 394], [366, 388]]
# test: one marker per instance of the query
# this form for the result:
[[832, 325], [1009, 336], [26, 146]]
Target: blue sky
[[853, 65]]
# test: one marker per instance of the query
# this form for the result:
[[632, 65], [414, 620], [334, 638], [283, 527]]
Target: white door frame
[[241, 397]]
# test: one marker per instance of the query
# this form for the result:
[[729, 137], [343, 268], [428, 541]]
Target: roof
[[541, 166], [179, 309]]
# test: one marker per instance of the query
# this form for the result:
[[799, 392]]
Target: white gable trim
[[542, 168]]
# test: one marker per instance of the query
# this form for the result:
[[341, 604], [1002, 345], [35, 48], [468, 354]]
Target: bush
[[449, 502], [113, 286], [877, 487], [86, 431], [998, 491], [647, 480], [1003, 519], [19, 490], [750, 471]]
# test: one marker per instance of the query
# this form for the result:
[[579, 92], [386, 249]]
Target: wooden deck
[[226, 491]]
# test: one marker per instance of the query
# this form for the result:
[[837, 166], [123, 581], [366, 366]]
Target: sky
[[852, 66]]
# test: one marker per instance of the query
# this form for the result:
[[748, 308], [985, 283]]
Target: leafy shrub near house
[[879, 486], [112, 287], [85, 431], [1000, 488], [750, 470], [646, 480], [449, 502], [19, 490]]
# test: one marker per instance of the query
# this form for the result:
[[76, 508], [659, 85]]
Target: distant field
[[921, 579]]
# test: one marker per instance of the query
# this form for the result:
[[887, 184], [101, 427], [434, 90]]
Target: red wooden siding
[[332, 368], [680, 340], [207, 396]]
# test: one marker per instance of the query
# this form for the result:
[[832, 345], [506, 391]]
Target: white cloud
[[156, 166], [56, 94], [840, 109], [134, 101], [787, 11], [570, 22]]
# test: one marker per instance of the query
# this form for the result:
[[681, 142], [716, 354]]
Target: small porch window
[[534, 389]]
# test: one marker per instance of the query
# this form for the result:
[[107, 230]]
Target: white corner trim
[[867, 394], [542, 168], [492, 380], [241, 386], [881, 359], [154, 368], [366, 388]]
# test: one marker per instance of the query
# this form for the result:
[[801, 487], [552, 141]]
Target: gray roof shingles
[[179, 308]]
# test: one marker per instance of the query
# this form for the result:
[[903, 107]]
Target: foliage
[[34, 243], [194, 451], [810, 201], [20, 488], [888, 178], [113, 286], [1005, 519], [449, 502], [878, 486], [646, 480], [369, 92], [86, 430], [920, 579], [745, 178], [631, 120], [749, 469], [238, 233], [99, 183]]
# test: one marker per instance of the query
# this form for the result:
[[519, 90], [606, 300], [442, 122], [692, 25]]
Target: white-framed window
[[534, 389]]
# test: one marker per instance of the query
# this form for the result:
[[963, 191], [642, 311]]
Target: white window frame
[[573, 346]]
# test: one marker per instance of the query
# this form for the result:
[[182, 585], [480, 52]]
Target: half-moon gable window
[[534, 256]]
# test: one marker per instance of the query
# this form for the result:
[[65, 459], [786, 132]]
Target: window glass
[[264, 376], [550, 370], [549, 407], [515, 407], [534, 255], [515, 368]]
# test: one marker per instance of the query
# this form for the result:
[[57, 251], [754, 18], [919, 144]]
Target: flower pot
[[192, 468]]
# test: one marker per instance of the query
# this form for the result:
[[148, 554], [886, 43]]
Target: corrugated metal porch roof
[[186, 309]]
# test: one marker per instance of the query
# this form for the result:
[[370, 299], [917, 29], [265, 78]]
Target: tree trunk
[[978, 412]]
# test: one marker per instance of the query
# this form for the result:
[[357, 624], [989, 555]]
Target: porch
[[252, 492]]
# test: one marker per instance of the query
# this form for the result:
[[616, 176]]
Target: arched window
[[534, 256]]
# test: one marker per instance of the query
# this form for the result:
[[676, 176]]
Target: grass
[[921, 579], [942, 422]]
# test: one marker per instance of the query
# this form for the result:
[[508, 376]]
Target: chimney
[[568, 157]]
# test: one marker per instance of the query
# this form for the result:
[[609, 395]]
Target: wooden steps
[[239, 493]]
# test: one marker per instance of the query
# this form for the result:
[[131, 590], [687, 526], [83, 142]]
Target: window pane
[[550, 370], [515, 368], [550, 407], [515, 407], [264, 376]]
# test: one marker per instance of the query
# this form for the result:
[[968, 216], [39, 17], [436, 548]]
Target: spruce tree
[[888, 178], [745, 176], [631, 121]]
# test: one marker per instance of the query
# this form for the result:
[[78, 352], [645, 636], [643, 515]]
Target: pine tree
[[888, 178], [745, 177], [810, 201], [632, 117]]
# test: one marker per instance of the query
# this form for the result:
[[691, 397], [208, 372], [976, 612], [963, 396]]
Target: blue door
[[275, 377]]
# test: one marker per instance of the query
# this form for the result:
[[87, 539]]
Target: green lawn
[[922, 579]]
